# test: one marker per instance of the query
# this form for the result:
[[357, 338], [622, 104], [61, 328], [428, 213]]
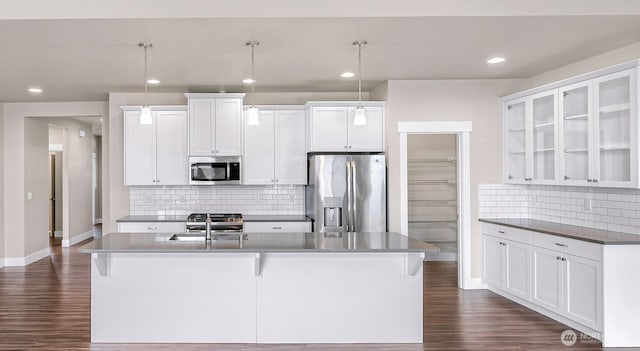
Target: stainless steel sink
[[187, 237]]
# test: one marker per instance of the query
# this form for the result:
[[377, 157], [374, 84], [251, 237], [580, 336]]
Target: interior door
[[52, 195]]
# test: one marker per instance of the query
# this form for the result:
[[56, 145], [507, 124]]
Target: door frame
[[462, 129]]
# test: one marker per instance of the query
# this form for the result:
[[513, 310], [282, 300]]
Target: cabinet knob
[[349, 147], [557, 258], [566, 177], [595, 180], [213, 151], [277, 180], [510, 176], [345, 147], [564, 259]]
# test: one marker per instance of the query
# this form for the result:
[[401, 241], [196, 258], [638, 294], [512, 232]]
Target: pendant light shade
[[145, 115], [145, 112], [253, 117], [360, 118]]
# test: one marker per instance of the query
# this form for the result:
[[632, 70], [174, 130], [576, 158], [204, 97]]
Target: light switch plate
[[588, 204], [29, 196]]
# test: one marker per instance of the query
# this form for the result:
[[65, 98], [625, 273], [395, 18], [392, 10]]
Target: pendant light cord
[[360, 74], [253, 80], [146, 47]]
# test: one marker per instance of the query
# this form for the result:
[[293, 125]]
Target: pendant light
[[360, 118], [145, 113], [253, 118]]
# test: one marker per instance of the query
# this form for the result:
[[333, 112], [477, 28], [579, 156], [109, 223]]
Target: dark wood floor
[[45, 306]]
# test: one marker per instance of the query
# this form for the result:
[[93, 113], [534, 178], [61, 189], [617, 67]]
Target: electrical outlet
[[588, 205], [29, 196]]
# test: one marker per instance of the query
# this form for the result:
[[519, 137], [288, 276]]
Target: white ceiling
[[84, 59]]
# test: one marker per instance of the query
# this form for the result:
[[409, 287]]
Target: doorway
[[462, 131], [56, 222], [432, 179]]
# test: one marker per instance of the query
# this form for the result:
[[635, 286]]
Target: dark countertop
[[145, 218], [247, 218], [261, 243], [598, 236]]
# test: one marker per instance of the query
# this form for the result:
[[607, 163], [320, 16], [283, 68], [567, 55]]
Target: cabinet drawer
[[569, 246], [510, 233], [151, 227], [276, 227]]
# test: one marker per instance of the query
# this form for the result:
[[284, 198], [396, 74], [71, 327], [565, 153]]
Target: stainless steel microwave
[[220, 170]]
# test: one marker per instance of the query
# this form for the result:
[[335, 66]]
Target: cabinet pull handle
[[566, 177], [563, 259], [152, 228], [509, 176], [503, 244], [595, 180], [561, 245], [557, 257], [276, 180], [500, 231], [276, 227]]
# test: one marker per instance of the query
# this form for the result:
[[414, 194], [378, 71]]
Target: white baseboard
[[476, 283], [78, 238], [23, 261], [98, 221], [57, 234]]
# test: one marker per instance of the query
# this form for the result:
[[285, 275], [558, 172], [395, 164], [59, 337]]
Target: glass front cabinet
[[582, 134]]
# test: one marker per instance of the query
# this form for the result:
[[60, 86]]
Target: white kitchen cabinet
[[215, 124], [331, 128], [547, 279], [582, 131], [151, 227], [531, 139], [274, 150], [599, 131], [277, 227], [506, 265], [156, 154]]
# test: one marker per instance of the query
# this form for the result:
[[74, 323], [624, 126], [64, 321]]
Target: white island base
[[257, 297]]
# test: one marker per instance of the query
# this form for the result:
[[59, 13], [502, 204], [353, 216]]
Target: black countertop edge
[[598, 236]]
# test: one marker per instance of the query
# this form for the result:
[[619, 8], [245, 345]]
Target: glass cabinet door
[[614, 133], [543, 113], [576, 118], [516, 142]]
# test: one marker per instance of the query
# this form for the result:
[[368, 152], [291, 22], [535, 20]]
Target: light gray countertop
[[355, 242], [598, 236], [246, 218]]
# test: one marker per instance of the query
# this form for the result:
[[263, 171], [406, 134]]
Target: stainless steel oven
[[215, 170]]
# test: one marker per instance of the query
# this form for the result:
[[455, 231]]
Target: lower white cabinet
[[277, 227], [151, 227], [559, 275], [507, 265]]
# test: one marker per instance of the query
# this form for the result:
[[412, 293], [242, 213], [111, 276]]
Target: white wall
[[98, 200], [2, 255], [449, 100], [624, 54], [18, 241]]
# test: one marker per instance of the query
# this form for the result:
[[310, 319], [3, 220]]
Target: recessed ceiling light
[[496, 59], [347, 75], [153, 81], [248, 81], [35, 90]]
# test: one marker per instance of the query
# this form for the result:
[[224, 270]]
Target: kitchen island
[[271, 288]]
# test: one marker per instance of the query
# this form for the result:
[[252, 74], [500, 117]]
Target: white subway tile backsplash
[[183, 200], [610, 209]]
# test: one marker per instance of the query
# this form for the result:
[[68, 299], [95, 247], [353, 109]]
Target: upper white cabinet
[[331, 129], [215, 124], [274, 150], [582, 131], [156, 154], [531, 136]]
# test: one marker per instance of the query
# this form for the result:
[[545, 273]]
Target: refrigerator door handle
[[349, 200], [354, 191]]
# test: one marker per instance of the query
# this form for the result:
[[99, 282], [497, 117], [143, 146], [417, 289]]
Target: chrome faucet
[[207, 228]]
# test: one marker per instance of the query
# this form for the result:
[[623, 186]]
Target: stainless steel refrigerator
[[347, 193]]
